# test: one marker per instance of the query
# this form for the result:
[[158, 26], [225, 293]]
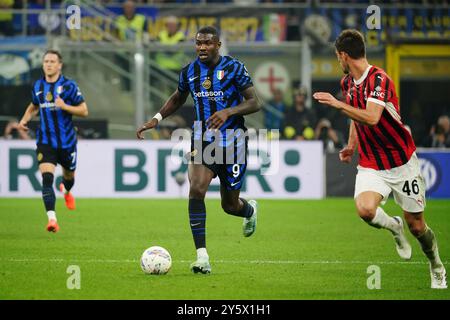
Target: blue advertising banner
[[435, 168], [16, 66], [402, 22]]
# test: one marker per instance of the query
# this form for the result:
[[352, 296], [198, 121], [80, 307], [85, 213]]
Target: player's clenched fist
[[145, 127], [60, 102], [345, 155]]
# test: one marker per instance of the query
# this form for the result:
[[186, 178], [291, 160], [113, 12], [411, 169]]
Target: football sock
[[48, 194], [197, 220], [202, 253], [246, 210], [51, 215], [68, 184], [382, 220], [429, 246]]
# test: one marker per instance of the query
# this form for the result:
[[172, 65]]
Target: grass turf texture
[[301, 250]]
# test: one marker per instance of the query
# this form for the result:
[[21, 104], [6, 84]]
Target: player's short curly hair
[[210, 30], [351, 41]]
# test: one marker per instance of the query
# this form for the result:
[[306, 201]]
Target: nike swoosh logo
[[233, 184], [38, 93], [195, 224], [192, 79]]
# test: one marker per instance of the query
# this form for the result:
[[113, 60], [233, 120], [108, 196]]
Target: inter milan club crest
[[49, 96], [206, 84], [220, 74]]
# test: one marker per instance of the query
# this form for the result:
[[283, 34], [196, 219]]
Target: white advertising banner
[[151, 169]]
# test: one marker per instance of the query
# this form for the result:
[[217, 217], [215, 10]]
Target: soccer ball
[[156, 260]]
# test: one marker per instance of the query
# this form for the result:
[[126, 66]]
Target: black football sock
[[246, 210], [68, 184], [48, 193], [197, 220]]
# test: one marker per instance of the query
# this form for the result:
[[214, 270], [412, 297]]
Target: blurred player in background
[[56, 99], [223, 93], [387, 158]]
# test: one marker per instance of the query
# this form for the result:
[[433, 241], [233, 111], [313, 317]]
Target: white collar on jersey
[[363, 77]]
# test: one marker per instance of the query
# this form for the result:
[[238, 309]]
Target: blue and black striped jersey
[[56, 128], [214, 88]]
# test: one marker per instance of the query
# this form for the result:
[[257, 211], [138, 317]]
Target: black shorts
[[230, 165], [65, 157]]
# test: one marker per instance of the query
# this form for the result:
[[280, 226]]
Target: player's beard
[[346, 69]]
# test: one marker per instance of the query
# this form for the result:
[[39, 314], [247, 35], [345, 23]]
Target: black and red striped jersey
[[388, 144]]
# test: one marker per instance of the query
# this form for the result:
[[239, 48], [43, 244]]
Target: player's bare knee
[[416, 227], [416, 230], [68, 175], [366, 211], [416, 224], [197, 192]]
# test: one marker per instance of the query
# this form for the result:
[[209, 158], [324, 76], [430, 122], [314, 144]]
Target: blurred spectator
[[439, 136], [332, 139], [6, 18], [275, 120], [130, 25], [13, 131], [299, 121], [171, 36]]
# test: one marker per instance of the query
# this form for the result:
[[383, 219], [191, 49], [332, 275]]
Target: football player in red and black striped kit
[[387, 158]]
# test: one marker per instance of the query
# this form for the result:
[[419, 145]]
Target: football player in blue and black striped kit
[[223, 93], [56, 99]]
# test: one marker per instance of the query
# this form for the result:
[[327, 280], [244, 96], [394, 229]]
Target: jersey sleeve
[[379, 89], [74, 96], [242, 77], [183, 85], [34, 98]]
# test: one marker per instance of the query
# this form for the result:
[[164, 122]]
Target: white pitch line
[[268, 262]]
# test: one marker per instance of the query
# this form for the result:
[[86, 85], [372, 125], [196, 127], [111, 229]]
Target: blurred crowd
[[286, 111], [291, 117], [10, 25], [298, 122]]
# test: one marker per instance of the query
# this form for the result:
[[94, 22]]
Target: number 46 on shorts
[[412, 186]]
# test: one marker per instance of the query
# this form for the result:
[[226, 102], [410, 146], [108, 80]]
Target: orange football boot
[[70, 200], [52, 226]]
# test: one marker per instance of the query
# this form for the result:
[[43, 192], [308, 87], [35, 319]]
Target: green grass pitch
[[301, 250]]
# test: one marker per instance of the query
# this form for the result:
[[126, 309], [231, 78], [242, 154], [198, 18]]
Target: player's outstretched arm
[[81, 110], [30, 112], [369, 116], [176, 100], [251, 104]]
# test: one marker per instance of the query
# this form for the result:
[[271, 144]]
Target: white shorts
[[405, 182]]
